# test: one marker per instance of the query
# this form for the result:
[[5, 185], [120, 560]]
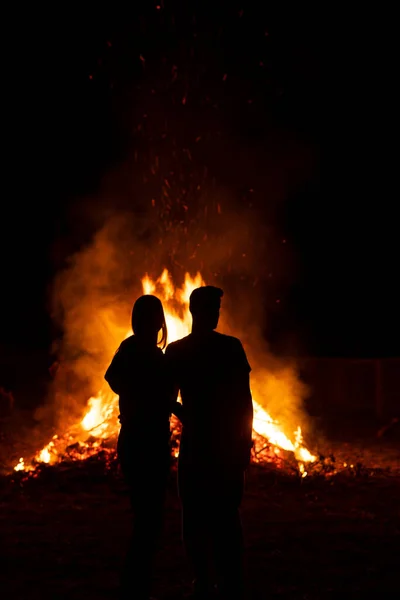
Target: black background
[[327, 80]]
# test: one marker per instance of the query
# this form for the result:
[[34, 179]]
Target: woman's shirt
[[138, 375]]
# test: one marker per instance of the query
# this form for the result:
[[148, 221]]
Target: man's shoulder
[[218, 340], [228, 341], [178, 345], [232, 349]]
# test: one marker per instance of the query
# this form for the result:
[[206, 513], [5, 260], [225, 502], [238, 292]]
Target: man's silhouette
[[212, 373]]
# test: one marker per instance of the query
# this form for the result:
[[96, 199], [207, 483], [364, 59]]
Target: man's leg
[[195, 529], [228, 536]]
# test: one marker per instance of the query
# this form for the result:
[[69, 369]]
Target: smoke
[[275, 381], [187, 199], [93, 296]]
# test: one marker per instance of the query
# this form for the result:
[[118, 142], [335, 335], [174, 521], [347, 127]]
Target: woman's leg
[[147, 493]]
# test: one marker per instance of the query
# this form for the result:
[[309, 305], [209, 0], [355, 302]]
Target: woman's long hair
[[148, 318]]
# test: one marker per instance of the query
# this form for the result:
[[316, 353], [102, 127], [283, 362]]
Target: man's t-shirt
[[212, 374]]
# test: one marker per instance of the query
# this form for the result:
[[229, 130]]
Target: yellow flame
[[45, 455], [20, 465], [168, 287], [100, 418], [97, 419], [94, 416], [148, 286]]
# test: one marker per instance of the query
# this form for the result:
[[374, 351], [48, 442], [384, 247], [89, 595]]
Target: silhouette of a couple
[[211, 372]]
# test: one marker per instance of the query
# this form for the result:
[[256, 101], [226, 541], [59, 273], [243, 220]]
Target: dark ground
[[63, 534]]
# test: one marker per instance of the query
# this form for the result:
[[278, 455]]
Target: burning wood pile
[[95, 434]]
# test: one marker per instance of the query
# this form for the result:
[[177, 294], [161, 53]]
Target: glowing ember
[[100, 419]]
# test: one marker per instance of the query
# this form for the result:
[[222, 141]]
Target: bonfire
[[99, 426]]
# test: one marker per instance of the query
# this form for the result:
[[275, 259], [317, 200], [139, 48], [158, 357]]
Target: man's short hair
[[205, 299]]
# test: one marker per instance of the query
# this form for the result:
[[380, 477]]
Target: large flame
[[100, 418]]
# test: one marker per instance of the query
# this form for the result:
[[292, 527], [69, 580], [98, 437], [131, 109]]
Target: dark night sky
[[329, 84]]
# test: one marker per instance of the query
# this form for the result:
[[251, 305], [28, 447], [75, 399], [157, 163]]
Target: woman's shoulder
[[128, 342], [128, 345]]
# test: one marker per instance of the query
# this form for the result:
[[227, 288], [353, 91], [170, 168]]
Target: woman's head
[[148, 319]]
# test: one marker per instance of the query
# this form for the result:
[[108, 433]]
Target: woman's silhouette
[[137, 374]]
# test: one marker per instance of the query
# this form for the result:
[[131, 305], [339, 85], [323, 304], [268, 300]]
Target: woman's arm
[[114, 372], [176, 408]]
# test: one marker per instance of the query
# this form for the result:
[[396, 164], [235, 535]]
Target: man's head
[[205, 304]]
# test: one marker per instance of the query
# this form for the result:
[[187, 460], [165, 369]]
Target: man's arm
[[247, 411], [245, 406], [246, 418], [177, 410]]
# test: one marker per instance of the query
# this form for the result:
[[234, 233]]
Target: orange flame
[[100, 418]]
